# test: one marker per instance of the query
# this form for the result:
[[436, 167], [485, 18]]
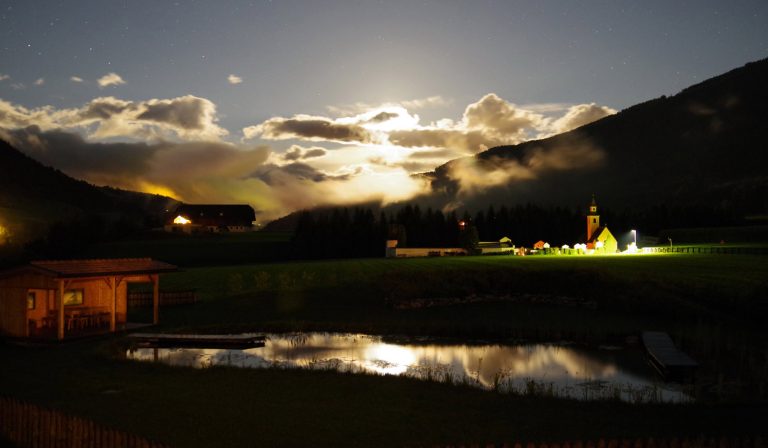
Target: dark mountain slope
[[705, 145], [33, 196]]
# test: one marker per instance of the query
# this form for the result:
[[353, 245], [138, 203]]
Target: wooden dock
[[666, 358], [199, 340]]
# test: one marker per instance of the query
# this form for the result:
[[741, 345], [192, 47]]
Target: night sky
[[294, 103]]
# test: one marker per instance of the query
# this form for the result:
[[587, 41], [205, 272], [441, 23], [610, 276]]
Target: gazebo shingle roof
[[93, 268]]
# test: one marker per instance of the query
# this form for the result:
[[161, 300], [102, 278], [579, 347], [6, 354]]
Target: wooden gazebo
[[54, 299]]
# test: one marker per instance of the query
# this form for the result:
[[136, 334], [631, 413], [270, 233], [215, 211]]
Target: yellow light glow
[[151, 188], [181, 220]]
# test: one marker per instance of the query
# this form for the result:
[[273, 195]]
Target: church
[[599, 238]]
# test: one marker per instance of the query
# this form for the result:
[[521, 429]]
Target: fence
[[28, 425], [700, 442], [144, 298], [742, 250]]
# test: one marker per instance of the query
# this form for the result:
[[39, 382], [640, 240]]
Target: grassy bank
[[231, 407], [623, 293]]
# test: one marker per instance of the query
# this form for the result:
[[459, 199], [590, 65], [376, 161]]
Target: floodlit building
[[211, 218], [599, 238]]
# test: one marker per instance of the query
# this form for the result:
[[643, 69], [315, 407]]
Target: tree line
[[349, 232]]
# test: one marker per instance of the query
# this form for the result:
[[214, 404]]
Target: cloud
[[110, 79], [465, 141], [39, 81], [490, 121], [18, 86], [187, 117], [383, 116], [278, 175], [501, 119], [408, 166], [234, 79], [579, 115], [296, 152], [309, 128], [75, 79], [3, 77]]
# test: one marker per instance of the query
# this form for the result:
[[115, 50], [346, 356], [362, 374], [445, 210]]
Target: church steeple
[[593, 219]]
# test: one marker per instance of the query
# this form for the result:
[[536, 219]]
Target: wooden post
[[26, 314], [113, 313], [156, 298], [60, 303]]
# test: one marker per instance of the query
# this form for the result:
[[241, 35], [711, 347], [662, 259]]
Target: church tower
[[593, 219]]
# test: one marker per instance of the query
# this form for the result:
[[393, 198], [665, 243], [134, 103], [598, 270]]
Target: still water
[[541, 369]]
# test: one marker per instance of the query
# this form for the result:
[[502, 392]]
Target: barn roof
[[233, 211], [95, 268]]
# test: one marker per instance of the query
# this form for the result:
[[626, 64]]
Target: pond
[[537, 369]]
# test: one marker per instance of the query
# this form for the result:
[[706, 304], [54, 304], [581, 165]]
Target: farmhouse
[[503, 246], [406, 252], [58, 299], [193, 218], [599, 238]]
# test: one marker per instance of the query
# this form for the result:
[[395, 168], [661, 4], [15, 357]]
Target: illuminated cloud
[[110, 79], [3, 77], [39, 81], [491, 121], [75, 79], [579, 115], [234, 79], [187, 117]]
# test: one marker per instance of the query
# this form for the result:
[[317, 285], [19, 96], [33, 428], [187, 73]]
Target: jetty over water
[[665, 357], [199, 340]]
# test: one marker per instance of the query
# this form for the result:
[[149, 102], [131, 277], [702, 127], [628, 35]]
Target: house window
[[31, 300], [594, 220], [73, 297]]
